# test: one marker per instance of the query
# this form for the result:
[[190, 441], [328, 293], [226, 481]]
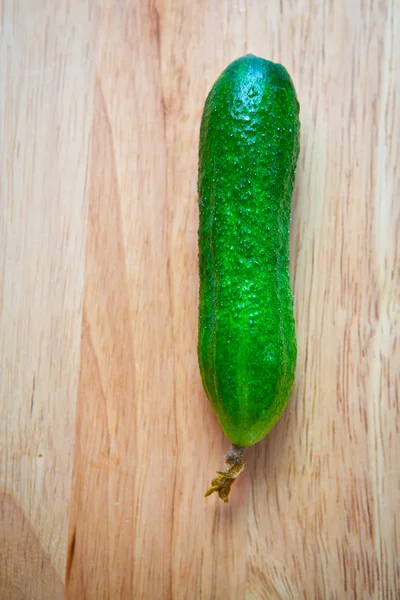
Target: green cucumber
[[249, 144]]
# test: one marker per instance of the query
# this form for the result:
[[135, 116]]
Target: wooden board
[[107, 441]]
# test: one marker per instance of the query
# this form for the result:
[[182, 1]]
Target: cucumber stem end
[[235, 463]]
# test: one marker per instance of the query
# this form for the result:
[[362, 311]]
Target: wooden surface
[[107, 440]]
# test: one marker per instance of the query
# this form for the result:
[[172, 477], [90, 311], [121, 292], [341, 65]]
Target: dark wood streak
[[70, 556]]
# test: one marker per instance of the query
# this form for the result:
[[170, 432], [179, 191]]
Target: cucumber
[[249, 145]]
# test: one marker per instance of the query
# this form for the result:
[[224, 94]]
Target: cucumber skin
[[249, 145]]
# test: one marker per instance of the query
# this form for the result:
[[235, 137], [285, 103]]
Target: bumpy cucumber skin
[[249, 144]]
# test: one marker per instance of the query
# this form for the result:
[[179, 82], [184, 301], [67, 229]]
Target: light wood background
[[107, 440]]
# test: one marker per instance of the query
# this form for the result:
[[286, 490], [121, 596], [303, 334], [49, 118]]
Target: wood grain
[[47, 68], [99, 120]]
